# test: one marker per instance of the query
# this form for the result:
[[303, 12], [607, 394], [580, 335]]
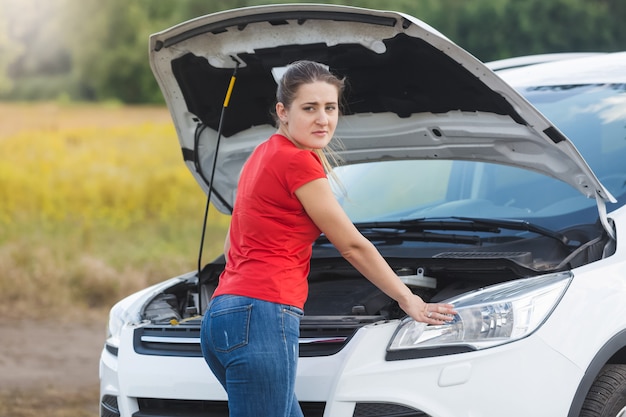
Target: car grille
[[156, 407], [319, 336], [153, 407]]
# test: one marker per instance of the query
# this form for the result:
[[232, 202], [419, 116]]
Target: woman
[[284, 200]]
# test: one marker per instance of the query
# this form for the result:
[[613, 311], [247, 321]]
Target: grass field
[[96, 203]]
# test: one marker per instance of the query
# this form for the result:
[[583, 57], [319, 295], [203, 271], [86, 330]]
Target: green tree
[[32, 54], [108, 49], [8, 51], [537, 26], [98, 50], [110, 53]]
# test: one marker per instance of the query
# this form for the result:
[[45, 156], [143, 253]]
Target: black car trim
[[373, 408], [167, 407], [113, 350], [419, 353], [276, 18], [555, 135]]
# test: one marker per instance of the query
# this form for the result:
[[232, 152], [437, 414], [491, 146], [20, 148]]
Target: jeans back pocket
[[230, 327]]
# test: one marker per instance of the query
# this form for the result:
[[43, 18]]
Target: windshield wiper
[[518, 225], [394, 234], [460, 224], [399, 231]]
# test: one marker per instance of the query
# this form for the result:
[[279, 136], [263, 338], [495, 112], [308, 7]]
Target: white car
[[523, 61], [473, 195]]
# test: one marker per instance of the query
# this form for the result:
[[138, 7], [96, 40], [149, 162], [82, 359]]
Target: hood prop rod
[[210, 183], [604, 217]]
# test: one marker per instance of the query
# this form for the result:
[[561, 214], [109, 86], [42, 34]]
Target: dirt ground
[[50, 366], [42, 353]]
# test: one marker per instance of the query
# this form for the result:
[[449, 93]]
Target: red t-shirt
[[271, 235]]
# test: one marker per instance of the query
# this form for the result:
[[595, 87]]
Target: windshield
[[593, 117], [401, 190]]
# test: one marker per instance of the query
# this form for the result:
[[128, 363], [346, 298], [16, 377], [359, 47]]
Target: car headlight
[[488, 317]]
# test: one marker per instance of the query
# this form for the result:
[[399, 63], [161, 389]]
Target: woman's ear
[[281, 112]]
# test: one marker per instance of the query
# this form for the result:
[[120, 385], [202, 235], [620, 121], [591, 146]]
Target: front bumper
[[358, 382]]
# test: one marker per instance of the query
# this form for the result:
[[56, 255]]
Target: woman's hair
[[306, 72]]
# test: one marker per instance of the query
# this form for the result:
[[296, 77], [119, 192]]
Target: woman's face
[[311, 120]]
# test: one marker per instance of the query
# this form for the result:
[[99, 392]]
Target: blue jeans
[[252, 348]]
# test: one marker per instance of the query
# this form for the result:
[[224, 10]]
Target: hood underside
[[412, 93]]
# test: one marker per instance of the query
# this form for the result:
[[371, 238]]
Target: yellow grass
[[96, 203]]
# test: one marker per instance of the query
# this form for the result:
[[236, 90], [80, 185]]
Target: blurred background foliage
[[94, 201], [93, 50]]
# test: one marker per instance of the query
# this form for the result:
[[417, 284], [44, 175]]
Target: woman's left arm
[[322, 207]]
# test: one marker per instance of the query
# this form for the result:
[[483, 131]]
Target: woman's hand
[[430, 313]]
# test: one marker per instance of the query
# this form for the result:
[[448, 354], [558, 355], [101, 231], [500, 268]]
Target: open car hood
[[412, 93]]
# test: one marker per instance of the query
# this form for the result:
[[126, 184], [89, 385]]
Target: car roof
[[609, 68], [526, 60]]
